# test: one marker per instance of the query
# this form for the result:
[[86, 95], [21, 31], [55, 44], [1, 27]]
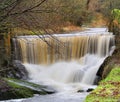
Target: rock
[[15, 89], [97, 80], [90, 89], [101, 69], [33, 86], [18, 70], [80, 90], [49, 90]]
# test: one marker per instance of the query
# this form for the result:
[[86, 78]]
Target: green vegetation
[[108, 89], [40, 88], [13, 89], [116, 15]]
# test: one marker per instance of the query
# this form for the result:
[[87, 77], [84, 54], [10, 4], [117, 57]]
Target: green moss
[[108, 90], [14, 90], [26, 83], [21, 91], [92, 98], [22, 84], [114, 75]]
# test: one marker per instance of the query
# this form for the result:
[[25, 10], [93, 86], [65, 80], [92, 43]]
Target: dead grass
[[99, 21]]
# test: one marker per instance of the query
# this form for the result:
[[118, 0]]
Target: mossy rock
[[14, 89]]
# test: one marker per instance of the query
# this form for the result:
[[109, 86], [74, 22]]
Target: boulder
[[90, 89], [18, 70], [16, 89]]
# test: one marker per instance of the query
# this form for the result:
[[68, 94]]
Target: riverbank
[[108, 89]]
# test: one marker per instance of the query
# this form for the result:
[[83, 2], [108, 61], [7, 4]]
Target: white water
[[69, 77], [77, 73], [66, 76]]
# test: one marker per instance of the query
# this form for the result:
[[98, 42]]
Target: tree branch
[[29, 9]]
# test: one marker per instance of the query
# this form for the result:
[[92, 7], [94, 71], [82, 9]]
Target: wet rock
[[33, 86], [80, 90], [18, 70], [90, 89], [49, 90], [101, 69], [3, 86], [97, 80], [16, 89]]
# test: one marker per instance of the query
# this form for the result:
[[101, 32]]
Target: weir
[[64, 60], [34, 50]]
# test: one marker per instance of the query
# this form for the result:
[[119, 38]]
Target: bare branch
[[29, 9]]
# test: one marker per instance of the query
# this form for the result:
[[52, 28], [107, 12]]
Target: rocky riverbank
[[14, 84], [16, 89]]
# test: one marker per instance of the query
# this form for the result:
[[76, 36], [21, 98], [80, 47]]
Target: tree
[[9, 10], [38, 16], [93, 5], [108, 5]]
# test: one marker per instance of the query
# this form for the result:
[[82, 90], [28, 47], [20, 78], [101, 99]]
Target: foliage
[[36, 16], [108, 90], [39, 14], [114, 24], [116, 14], [108, 5]]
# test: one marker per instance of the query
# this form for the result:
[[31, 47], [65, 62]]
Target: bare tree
[[38, 16]]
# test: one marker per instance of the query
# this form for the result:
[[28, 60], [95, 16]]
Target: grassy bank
[[108, 90]]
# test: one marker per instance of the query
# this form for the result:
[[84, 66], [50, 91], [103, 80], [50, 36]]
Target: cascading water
[[34, 50], [68, 62]]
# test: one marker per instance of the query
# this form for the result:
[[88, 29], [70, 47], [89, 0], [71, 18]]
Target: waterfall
[[35, 51], [64, 58]]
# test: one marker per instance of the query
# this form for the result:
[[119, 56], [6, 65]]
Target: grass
[[108, 90], [22, 31]]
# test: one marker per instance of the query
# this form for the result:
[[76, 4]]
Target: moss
[[41, 88], [91, 98], [22, 91], [108, 90], [25, 83], [14, 90], [114, 75]]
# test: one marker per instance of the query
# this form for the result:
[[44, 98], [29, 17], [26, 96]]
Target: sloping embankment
[[108, 90]]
